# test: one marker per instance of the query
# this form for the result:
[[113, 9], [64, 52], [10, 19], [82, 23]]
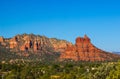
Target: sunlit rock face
[[59, 45], [34, 44], [1, 39], [13, 42], [84, 50]]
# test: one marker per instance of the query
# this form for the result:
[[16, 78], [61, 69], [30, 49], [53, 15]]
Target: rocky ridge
[[30, 44], [34, 44]]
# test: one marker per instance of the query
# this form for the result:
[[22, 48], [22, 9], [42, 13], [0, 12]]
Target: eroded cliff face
[[84, 50], [1, 39], [13, 43], [59, 45], [34, 44]]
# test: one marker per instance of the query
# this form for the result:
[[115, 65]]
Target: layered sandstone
[[34, 43], [13, 43], [84, 50]]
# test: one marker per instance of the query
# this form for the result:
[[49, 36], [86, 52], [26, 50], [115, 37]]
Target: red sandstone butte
[[84, 50]]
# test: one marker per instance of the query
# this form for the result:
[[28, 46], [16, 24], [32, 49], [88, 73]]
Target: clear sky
[[64, 19]]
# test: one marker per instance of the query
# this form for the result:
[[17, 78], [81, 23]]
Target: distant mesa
[[116, 53]]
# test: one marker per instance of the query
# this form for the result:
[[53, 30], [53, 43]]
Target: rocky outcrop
[[13, 43], [84, 50], [34, 44], [59, 45], [1, 39]]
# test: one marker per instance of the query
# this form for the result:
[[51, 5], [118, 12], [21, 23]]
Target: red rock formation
[[23, 48], [1, 39], [35, 46], [84, 50], [34, 43], [26, 46], [13, 42], [59, 45]]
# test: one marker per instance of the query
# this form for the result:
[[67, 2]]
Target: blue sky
[[64, 19]]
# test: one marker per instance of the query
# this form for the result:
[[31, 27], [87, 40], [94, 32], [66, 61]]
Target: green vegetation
[[13, 66], [60, 70], [7, 55]]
